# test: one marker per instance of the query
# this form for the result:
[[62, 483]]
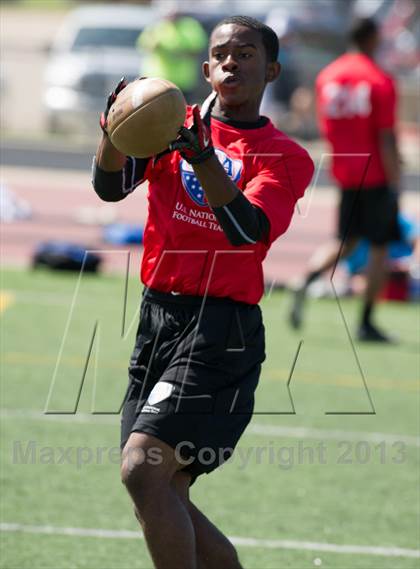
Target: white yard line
[[79, 418], [332, 434], [240, 541], [253, 429]]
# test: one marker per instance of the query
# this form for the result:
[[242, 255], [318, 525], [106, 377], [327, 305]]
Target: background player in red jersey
[[356, 103], [217, 200]]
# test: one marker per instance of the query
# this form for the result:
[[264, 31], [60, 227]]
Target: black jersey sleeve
[[115, 186], [242, 222]]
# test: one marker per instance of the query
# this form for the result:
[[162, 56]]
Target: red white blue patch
[[192, 186]]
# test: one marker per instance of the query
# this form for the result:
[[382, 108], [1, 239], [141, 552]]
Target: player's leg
[[380, 226], [199, 412], [375, 279], [213, 548], [376, 272], [219, 426], [327, 256], [323, 260], [148, 466]]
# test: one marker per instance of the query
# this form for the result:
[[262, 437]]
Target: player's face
[[237, 68]]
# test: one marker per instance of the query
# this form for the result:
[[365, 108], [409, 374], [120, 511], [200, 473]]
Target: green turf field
[[332, 473]]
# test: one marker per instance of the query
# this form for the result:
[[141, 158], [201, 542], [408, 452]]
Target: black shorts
[[192, 375], [371, 213]]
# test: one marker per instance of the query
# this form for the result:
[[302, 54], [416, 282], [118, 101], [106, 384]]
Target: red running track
[[57, 197]]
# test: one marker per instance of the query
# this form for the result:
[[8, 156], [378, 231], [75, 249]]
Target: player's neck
[[366, 52], [242, 113]]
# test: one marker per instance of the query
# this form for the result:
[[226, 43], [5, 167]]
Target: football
[[146, 117]]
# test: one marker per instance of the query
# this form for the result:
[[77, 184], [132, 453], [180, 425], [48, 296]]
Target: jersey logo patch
[[192, 186]]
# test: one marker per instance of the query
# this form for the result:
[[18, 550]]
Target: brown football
[[146, 117]]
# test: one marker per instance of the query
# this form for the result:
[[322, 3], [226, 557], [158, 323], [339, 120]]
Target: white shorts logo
[[162, 390]]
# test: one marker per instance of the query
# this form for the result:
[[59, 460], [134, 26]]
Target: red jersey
[[355, 100], [185, 249]]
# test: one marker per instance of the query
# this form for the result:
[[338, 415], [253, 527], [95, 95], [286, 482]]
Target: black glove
[[194, 143], [111, 99]]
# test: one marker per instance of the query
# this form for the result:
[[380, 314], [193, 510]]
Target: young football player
[[357, 107], [217, 200]]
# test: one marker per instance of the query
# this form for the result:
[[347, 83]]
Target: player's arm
[[242, 222], [390, 156], [384, 103], [108, 157]]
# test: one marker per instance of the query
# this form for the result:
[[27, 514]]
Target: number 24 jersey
[[355, 100]]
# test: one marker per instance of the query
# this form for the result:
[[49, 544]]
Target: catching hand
[[111, 98], [194, 143]]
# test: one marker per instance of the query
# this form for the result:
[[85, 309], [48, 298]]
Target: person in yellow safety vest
[[172, 47]]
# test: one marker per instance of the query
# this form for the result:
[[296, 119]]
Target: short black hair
[[268, 35], [362, 30]]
